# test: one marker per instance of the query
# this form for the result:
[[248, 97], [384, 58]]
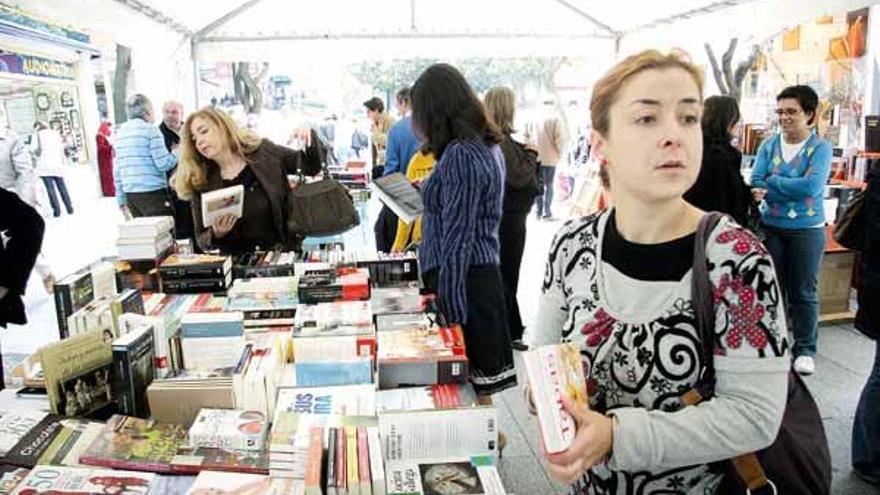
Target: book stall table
[[835, 282]]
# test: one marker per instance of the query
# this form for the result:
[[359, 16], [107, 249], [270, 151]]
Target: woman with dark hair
[[459, 254], [720, 186], [790, 173], [105, 159]]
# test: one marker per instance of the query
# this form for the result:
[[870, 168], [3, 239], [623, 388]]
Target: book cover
[[314, 462], [334, 347], [193, 460], [15, 424], [397, 192], [226, 201], [11, 477], [332, 373], [71, 294], [421, 356], [137, 444], [340, 462], [363, 456], [27, 452], [134, 357], [146, 227], [331, 458], [180, 403], [352, 477], [339, 284], [554, 371], [353, 400], [78, 373], [440, 434], [196, 285], [209, 482], [445, 396], [148, 250], [475, 477], [377, 465], [185, 266], [341, 318], [56, 480], [229, 429], [74, 437]]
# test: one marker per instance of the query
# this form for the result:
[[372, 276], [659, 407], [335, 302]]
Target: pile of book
[[145, 238], [328, 381], [195, 273], [264, 264]]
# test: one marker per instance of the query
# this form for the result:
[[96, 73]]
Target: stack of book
[[258, 370], [212, 340], [265, 302], [335, 284], [145, 238], [195, 273], [386, 269], [177, 399], [264, 264]]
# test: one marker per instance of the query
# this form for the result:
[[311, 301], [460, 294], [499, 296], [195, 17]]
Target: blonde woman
[[618, 283], [520, 188], [217, 153]]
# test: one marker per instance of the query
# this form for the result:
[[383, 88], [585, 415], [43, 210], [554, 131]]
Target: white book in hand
[[226, 201], [555, 371], [398, 193]]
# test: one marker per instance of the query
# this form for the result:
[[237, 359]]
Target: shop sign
[[30, 65], [16, 16]]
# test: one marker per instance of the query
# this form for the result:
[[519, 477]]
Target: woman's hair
[[446, 108], [806, 98], [501, 107], [606, 89], [719, 114], [403, 95], [192, 168]]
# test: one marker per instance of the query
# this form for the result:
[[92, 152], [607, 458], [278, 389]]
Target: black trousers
[[385, 230], [56, 182], [512, 236], [150, 204]]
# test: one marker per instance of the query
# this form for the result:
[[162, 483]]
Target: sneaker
[[805, 365]]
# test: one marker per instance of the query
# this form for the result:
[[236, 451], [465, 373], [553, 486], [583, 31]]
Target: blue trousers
[[545, 199], [56, 182], [866, 425], [797, 255]]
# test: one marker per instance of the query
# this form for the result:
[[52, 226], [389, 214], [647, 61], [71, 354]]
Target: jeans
[[797, 255], [866, 425], [546, 199], [51, 184]]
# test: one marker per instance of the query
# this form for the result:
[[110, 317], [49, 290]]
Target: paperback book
[[137, 444], [133, 357], [555, 371], [229, 429], [222, 202], [193, 460], [398, 193], [221, 482], [475, 476], [55, 480]]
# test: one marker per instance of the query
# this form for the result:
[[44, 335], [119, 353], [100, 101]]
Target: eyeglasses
[[791, 112]]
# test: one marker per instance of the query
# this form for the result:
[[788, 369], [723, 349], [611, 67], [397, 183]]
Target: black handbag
[[798, 461], [320, 208], [849, 231]]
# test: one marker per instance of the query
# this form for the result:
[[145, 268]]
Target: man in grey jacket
[[17, 171]]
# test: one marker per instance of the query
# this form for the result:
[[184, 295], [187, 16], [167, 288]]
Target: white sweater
[[639, 343]]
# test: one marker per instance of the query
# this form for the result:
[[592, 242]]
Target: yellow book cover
[[77, 371], [351, 460]]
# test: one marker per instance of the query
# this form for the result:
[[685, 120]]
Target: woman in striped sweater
[[459, 253]]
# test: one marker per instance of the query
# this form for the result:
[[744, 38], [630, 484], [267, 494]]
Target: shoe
[[518, 345], [502, 442], [871, 478], [805, 365]]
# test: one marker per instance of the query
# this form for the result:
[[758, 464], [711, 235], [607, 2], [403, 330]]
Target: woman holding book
[[618, 283], [463, 196], [216, 154]]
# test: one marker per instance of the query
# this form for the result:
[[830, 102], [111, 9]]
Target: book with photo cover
[[193, 460], [476, 476], [397, 192], [340, 284], [421, 356], [554, 371], [56, 480], [79, 374], [226, 201], [229, 429], [136, 444]]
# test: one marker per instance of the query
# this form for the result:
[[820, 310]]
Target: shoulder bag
[[849, 231], [798, 461], [320, 208]]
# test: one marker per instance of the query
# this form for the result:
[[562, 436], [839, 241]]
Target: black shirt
[[248, 233], [665, 262]]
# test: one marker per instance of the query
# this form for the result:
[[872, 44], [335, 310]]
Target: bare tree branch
[[716, 72], [741, 70], [726, 63]]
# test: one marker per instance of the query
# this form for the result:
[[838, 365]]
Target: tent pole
[[194, 45]]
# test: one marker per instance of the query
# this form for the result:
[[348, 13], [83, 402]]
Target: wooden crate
[[835, 280]]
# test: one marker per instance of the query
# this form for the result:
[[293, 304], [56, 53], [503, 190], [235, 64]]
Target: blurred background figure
[[106, 153]]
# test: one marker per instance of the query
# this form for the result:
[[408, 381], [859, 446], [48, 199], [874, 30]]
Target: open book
[[215, 204], [396, 192]]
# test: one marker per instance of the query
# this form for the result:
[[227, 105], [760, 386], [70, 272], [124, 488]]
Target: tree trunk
[[716, 72], [726, 61], [120, 83]]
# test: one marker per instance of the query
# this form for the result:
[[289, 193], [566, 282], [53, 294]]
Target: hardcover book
[[554, 371], [136, 444], [229, 429], [55, 480]]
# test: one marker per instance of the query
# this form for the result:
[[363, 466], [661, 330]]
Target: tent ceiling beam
[[155, 15], [415, 35], [687, 14], [232, 14], [601, 25]]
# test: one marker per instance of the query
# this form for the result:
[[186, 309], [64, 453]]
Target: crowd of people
[[618, 282]]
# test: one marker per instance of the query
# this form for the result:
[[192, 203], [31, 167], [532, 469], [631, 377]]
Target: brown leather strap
[[691, 397], [749, 469]]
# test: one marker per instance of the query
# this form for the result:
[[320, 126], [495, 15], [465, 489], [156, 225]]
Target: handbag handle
[[322, 155], [702, 300]]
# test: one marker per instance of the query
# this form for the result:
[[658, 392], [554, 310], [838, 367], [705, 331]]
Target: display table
[[835, 282]]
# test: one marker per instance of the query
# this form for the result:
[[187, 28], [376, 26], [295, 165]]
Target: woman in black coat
[[866, 425], [720, 185]]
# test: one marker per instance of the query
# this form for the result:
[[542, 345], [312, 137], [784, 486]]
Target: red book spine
[[341, 474], [363, 458]]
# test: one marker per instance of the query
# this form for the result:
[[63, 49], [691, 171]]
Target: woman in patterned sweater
[[459, 254], [619, 284]]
